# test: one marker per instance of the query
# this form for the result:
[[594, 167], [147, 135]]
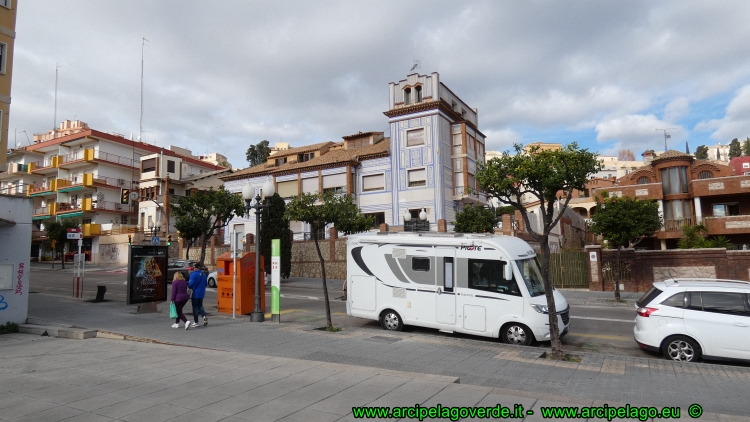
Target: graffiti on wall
[[19, 285], [109, 254], [3, 303]]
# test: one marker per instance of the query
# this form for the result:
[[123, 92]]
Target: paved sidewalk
[[480, 362], [45, 379]]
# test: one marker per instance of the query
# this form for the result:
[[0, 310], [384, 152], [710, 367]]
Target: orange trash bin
[[245, 283]]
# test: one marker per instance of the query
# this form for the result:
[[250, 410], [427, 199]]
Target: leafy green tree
[[735, 150], [473, 219], [701, 153], [746, 147], [275, 225], [209, 211], [57, 230], [190, 231], [550, 177], [258, 153], [336, 209], [499, 211], [624, 221]]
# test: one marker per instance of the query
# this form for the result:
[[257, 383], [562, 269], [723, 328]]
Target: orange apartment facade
[[690, 192]]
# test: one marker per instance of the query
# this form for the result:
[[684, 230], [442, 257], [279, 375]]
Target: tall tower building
[[435, 148]]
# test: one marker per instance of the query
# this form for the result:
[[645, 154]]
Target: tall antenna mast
[[140, 134], [54, 123], [666, 136]]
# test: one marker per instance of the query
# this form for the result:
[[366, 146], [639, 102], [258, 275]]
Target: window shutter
[[334, 181], [310, 185], [287, 189], [373, 182]]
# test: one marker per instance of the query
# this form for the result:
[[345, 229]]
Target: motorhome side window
[[419, 263], [487, 275]]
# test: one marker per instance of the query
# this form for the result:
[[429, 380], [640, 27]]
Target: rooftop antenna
[[666, 135], [27, 137], [54, 123], [417, 65]]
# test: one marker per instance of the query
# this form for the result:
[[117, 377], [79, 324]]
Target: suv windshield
[[531, 275]]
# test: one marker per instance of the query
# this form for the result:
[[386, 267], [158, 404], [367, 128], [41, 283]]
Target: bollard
[[100, 290]]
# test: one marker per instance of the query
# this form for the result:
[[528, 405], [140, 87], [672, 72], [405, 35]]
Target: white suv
[[690, 319]]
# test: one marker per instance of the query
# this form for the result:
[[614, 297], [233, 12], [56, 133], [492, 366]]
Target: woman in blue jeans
[[197, 283]]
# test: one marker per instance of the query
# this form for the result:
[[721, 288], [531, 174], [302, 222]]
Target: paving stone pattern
[[718, 388]]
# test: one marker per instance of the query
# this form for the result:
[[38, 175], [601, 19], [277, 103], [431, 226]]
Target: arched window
[[407, 96], [643, 180], [705, 174]]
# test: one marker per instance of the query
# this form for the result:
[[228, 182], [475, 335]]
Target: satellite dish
[[134, 196]]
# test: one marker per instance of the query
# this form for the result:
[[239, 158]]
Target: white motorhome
[[485, 285]]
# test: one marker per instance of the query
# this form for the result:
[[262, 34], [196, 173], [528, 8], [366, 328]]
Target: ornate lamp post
[[154, 229], [256, 204], [416, 225]]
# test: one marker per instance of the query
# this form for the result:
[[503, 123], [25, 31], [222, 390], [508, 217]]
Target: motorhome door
[[445, 263]]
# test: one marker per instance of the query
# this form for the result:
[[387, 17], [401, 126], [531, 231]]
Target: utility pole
[[140, 134], [666, 135], [54, 123]]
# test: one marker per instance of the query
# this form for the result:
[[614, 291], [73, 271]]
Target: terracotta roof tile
[[302, 149]]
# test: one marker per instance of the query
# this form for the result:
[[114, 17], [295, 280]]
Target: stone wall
[[305, 262], [641, 268]]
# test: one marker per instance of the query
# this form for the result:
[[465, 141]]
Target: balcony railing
[[678, 224], [41, 210], [112, 158], [76, 156], [16, 189], [46, 163], [89, 179], [65, 207], [41, 188], [112, 206]]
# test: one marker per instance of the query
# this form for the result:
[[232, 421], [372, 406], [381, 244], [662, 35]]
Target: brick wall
[[305, 262], [642, 268]]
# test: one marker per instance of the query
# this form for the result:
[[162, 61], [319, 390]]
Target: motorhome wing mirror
[[508, 273]]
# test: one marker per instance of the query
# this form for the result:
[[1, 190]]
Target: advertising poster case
[[147, 274]]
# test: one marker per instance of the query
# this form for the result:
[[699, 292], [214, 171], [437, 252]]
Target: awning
[[72, 214]]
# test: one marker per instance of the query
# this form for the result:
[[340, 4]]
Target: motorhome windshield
[[532, 277]]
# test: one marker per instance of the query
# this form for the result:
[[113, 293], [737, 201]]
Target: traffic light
[[53, 242], [124, 196], [169, 240]]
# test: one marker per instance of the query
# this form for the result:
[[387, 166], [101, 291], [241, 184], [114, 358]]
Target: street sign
[[155, 240], [74, 235]]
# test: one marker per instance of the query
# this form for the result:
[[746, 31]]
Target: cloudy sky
[[221, 75]]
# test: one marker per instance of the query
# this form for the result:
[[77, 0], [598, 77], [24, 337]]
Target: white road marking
[[603, 319]]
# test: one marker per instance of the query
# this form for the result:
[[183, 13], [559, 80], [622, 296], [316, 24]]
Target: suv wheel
[[681, 349]]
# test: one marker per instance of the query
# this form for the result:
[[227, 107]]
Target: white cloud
[[736, 120], [638, 133], [676, 109], [501, 140]]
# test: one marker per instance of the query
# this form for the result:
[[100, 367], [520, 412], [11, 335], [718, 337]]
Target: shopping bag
[[172, 310]]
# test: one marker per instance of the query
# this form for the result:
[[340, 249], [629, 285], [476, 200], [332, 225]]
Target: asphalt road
[[594, 329]]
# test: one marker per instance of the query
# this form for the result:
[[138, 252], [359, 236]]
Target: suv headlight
[[542, 309]]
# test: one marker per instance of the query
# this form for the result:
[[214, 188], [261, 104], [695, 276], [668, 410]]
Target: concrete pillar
[[249, 240], [507, 225], [663, 244], [384, 227], [661, 214], [596, 279], [442, 226], [519, 222], [698, 210]]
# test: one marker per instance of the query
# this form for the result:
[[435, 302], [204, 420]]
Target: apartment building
[[8, 10], [164, 177], [689, 192], [428, 163], [74, 171]]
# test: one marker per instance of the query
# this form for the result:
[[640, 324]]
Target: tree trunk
[[329, 324], [617, 274], [554, 329], [63, 256], [187, 250], [204, 243]]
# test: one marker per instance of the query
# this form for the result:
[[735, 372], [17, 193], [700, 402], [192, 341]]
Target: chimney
[[648, 156]]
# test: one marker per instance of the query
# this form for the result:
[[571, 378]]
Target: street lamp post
[[154, 229], [247, 194]]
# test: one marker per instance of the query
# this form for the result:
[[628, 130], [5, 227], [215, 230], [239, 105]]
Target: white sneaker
[[187, 324], [175, 325], [193, 324]]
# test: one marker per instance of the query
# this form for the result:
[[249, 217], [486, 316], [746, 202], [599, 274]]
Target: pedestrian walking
[[180, 297], [197, 283]]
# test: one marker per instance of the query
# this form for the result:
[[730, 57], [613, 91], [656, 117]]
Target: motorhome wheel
[[514, 333], [390, 320]]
